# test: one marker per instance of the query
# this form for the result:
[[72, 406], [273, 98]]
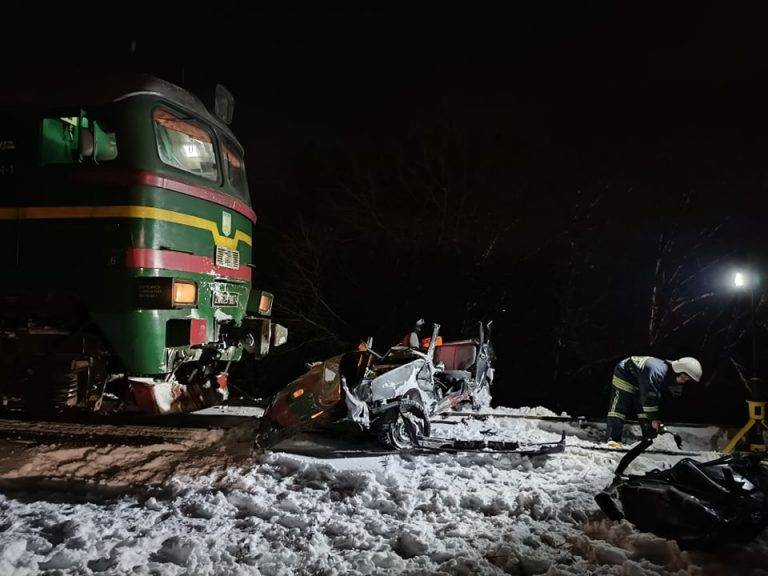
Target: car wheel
[[402, 428]]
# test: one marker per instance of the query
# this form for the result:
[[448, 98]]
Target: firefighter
[[638, 382], [412, 339]]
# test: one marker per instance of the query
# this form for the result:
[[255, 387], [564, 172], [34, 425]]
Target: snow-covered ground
[[230, 410], [366, 513]]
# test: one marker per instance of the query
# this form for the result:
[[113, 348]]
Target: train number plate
[[225, 298], [227, 258]]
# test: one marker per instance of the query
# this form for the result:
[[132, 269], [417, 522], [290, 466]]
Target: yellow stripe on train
[[144, 212]]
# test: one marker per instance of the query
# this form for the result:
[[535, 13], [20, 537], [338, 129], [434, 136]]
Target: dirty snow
[[285, 513], [139, 461], [535, 411]]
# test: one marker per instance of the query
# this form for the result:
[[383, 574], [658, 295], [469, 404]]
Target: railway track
[[120, 429], [145, 451], [71, 433], [142, 452], [575, 420], [142, 430]]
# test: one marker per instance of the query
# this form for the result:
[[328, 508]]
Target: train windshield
[[185, 145]]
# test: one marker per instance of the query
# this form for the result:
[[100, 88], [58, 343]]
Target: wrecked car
[[697, 504], [393, 395]]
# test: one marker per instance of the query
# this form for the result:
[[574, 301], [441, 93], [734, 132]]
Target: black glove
[[647, 429]]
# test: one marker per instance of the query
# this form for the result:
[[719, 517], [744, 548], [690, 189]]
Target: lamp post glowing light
[[747, 280]]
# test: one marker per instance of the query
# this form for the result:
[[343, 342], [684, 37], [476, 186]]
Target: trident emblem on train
[[226, 223]]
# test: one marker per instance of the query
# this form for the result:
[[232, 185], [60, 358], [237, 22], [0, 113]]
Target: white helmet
[[689, 366]]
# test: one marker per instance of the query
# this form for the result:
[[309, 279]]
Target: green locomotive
[[125, 248]]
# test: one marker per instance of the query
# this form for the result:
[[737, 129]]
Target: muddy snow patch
[[191, 451]]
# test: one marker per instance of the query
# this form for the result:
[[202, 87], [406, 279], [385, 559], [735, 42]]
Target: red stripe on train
[[147, 178], [181, 261]]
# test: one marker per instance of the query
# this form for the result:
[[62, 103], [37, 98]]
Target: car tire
[[402, 427]]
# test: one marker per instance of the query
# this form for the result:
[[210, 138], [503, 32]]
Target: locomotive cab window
[[184, 145], [235, 169]]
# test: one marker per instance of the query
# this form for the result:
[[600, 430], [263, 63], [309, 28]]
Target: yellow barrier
[[756, 418]]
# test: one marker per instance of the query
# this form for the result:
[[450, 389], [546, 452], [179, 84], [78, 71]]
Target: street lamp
[[756, 400], [744, 280]]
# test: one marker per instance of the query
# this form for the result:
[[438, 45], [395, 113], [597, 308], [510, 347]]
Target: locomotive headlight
[[184, 293], [265, 303], [164, 293]]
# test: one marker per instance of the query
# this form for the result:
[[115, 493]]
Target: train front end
[[126, 249]]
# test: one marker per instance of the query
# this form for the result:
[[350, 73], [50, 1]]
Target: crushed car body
[[393, 395]]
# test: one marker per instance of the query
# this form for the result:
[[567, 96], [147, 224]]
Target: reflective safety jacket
[[646, 376]]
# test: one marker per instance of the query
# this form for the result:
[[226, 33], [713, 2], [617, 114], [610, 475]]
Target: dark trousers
[[622, 405]]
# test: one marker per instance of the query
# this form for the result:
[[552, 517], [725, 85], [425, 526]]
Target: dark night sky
[[591, 89], [541, 108]]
